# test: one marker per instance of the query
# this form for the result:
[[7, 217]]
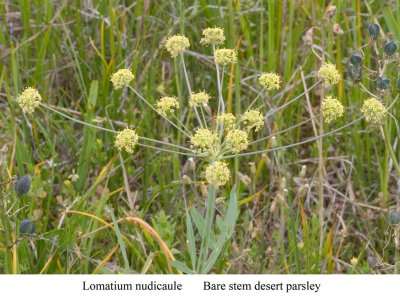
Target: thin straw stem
[[294, 144], [190, 90], [155, 110], [291, 101], [110, 130], [202, 115], [180, 122], [77, 120], [254, 101], [363, 88], [166, 150], [283, 131]]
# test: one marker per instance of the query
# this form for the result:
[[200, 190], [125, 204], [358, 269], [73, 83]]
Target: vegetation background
[[69, 49]]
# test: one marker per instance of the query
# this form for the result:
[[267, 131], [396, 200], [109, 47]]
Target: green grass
[[68, 51]]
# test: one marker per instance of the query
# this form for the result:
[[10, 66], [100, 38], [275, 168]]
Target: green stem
[[6, 229], [180, 122], [291, 101], [396, 260], [190, 90], [294, 144], [390, 149], [113, 131], [76, 120], [155, 110], [202, 115], [284, 130]]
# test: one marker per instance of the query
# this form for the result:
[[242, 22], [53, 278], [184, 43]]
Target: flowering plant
[[214, 136]]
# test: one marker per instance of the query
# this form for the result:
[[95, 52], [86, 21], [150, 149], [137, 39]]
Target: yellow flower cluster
[[166, 105], [354, 261], [236, 140], [224, 56], [122, 78], [217, 173], [374, 112], [270, 81], [253, 118], [126, 139], [204, 139], [214, 36], [331, 109], [29, 100], [176, 44], [199, 98], [228, 119], [329, 74]]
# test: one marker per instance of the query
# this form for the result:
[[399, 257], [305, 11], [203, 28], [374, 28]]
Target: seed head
[[394, 218], [356, 59], [126, 139], [224, 56], [390, 48], [228, 119], [270, 81], [355, 72], [122, 78], [382, 83], [23, 185], [204, 139], [176, 44], [27, 227], [217, 173], [331, 109], [29, 100], [374, 111], [329, 74], [214, 36], [199, 98], [166, 105], [253, 118], [236, 140], [373, 31]]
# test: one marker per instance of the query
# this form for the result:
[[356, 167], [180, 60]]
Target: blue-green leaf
[[191, 239], [182, 267]]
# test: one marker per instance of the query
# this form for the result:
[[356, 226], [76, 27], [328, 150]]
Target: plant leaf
[[224, 237], [182, 267], [198, 221], [232, 212], [191, 239]]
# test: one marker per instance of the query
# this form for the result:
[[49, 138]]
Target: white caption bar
[[175, 285]]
